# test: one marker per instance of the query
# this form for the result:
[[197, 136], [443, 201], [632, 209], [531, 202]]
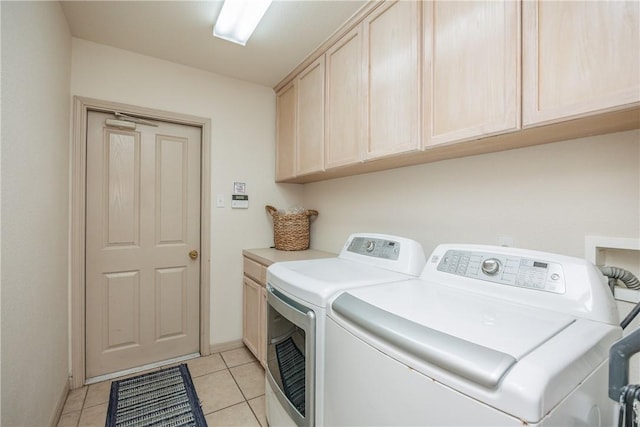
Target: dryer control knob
[[490, 266], [371, 245]]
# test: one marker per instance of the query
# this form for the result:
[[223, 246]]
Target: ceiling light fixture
[[238, 19]]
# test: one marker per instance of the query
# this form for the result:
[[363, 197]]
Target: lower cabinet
[[254, 298], [254, 307]]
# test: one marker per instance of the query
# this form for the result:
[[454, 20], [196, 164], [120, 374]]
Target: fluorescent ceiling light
[[238, 19]]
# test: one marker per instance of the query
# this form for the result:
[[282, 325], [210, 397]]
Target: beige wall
[[36, 53], [546, 197], [242, 141]]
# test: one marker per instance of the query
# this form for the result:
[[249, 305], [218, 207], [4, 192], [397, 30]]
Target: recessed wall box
[[239, 201]]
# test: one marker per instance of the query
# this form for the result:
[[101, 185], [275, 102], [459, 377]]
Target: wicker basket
[[291, 231]]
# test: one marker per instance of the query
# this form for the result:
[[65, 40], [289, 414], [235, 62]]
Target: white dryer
[[297, 295], [487, 336]]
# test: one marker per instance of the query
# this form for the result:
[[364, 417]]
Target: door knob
[[193, 254]]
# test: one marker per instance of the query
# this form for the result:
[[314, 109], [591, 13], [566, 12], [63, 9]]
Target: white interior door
[[143, 220]]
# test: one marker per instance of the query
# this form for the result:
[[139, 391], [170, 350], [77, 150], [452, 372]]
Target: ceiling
[[181, 32]]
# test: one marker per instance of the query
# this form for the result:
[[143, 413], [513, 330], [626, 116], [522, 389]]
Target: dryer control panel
[[506, 270], [375, 247], [393, 253]]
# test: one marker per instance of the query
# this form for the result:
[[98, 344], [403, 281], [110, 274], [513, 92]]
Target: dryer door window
[[290, 355]]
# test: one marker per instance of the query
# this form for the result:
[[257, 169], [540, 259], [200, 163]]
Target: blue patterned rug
[[163, 398]]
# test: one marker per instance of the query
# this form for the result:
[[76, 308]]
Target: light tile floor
[[230, 386]]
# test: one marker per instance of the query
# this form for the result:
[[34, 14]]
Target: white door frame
[[78, 187]]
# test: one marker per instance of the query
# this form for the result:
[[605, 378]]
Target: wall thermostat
[[239, 201]]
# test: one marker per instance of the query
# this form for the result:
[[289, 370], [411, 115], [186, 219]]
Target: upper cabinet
[[286, 106], [310, 137], [471, 69], [300, 124], [345, 101], [373, 87], [392, 78], [406, 82], [579, 57]]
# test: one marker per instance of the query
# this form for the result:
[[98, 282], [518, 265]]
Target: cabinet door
[[345, 102], [252, 316], [392, 78], [579, 57], [471, 69], [262, 350], [286, 132], [310, 134]]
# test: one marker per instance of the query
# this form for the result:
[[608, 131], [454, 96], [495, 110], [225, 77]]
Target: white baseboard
[[225, 346], [62, 399]]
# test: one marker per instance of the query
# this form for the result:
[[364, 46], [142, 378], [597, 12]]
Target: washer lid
[[475, 337], [316, 280]]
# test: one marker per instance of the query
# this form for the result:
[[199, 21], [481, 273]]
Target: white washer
[[297, 295], [487, 336]]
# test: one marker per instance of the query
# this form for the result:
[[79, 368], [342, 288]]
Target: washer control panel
[[506, 270], [374, 247]]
